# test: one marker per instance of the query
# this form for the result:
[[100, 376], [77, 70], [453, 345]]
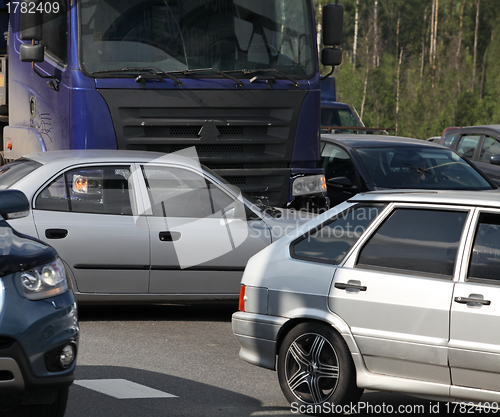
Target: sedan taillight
[[241, 306]]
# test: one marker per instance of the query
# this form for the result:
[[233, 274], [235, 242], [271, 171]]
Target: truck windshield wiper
[[201, 71], [149, 73], [263, 71]]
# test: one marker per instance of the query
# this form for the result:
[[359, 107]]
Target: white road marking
[[122, 389]]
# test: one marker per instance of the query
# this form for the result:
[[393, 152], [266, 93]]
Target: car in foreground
[[360, 163], [136, 226], [480, 144], [38, 321], [394, 291]]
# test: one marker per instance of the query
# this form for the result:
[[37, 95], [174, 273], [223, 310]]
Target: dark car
[[358, 163], [480, 144], [38, 321]]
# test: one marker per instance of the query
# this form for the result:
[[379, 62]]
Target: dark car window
[[416, 240], [13, 172], [485, 258], [99, 190], [332, 240], [337, 163], [467, 145], [178, 192], [420, 168], [491, 147]]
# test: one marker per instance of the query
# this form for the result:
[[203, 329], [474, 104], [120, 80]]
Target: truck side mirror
[[333, 24], [331, 56], [32, 53], [31, 26]]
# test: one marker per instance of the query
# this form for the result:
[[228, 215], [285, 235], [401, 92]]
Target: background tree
[[420, 65]]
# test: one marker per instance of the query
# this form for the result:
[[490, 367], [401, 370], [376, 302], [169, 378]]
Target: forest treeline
[[419, 66]]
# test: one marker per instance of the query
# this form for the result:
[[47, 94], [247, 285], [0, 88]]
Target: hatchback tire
[[316, 371]]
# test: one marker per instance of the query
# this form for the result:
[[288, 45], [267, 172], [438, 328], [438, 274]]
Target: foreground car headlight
[[44, 281], [313, 184]]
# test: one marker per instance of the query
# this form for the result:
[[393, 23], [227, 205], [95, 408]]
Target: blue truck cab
[[38, 321], [237, 79]]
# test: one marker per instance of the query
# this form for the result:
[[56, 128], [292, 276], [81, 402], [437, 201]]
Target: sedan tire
[[315, 370]]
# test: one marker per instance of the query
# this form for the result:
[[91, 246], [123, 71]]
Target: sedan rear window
[[13, 172]]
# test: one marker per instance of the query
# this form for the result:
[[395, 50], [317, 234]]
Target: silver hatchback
[[396, 291]]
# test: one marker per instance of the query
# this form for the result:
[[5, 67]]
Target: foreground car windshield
[[434, 169], [13, 172]]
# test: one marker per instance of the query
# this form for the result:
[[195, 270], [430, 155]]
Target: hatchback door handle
[[169, 236], [56, 233], [344, 286], [467, 300]]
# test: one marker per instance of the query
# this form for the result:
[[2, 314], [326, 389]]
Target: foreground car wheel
[[315, 369], [56, 409]]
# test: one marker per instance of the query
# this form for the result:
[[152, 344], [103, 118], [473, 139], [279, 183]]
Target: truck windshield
[[178, 35]]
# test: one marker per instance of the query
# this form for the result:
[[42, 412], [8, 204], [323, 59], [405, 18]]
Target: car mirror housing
[[495, 160], [337, 182], [13, 204]]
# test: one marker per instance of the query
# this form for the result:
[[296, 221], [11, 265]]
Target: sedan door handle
[[56, 233], [344, 286], [467, 300], [169, 236]]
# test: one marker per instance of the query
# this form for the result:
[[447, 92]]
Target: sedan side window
[[337, 163], [331, 242], [102, 190], [485, 258], [491, 147], [178, 192], [467, 145], [418, 241]]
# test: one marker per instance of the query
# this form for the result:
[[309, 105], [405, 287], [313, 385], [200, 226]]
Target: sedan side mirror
[[495, 160], [339, 182]]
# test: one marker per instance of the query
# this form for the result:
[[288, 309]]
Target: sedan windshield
[[420, 168], [13, 172], [178, 35]]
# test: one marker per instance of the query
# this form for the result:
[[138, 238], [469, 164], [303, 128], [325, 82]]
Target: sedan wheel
[[315, 367]]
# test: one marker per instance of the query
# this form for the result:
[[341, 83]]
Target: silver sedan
[[143, 226], [395, 291]]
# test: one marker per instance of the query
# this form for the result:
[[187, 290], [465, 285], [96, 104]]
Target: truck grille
[[247, 136]]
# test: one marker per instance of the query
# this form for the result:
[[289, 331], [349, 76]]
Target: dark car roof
[[479, 127], [365, 141]]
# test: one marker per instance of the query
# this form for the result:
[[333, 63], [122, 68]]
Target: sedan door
[[86, 215], [475, 312], [395, 293], [200, 237]]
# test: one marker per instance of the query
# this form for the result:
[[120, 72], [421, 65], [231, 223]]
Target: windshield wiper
[[200, 71], [263, 71], [150, 73]]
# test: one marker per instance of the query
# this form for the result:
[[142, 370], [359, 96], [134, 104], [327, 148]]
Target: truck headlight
[[44, 281], [313, 184]]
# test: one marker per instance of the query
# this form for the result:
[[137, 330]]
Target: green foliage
[[432, 94]]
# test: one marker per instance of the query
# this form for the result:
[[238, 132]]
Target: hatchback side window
[[467, 145], [416, 240], [331, 241], [485, 258], [491, 147], [178, 192]]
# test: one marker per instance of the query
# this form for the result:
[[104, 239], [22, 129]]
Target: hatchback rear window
[[13, 172]]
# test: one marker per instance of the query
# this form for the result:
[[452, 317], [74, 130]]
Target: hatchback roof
[[486, 198]]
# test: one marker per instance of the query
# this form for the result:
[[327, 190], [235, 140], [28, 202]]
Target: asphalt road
[[152, 361]]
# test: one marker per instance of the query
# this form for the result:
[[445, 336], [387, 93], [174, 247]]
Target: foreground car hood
[[19, 252]]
